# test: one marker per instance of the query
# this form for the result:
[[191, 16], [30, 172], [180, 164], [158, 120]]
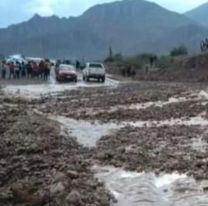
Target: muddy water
[[194, 121], [87, 133], [141, 189], [52, 88], [202, 96], [149, 104]]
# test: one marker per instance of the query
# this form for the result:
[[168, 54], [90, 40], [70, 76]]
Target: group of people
[[31, 69]]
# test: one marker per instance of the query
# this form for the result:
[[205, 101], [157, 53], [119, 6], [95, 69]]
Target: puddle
[[86, 133], [143, 189]]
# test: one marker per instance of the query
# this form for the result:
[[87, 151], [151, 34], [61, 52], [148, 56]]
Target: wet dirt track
[[146, 143]]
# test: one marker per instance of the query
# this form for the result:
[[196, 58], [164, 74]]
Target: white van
[[94, 71]]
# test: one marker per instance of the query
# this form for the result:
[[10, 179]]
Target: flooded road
[[52, 87], [173, 147]]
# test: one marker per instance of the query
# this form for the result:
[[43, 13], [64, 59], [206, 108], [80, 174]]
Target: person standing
[[23, 70], [4, 69], [35, 70], [11, 70], [17, 70], [29, 70], [1, 67], [42, 68], [77, 65], [46, 70]]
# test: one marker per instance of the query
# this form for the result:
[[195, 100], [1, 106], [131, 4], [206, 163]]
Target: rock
[[34, 146], [59, 177], [5, 195], [3, 162], [74, 198], [91, 205], [72, 174], [57, 188], [75, 183], [23, 196], [101, 155], [121, 149], [104, 200]]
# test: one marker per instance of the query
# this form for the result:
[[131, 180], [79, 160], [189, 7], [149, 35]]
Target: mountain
[[189, 36], [199, 14], [128, 26]]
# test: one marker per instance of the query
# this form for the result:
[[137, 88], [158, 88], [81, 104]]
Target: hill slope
[[199, 14], [129, 26]]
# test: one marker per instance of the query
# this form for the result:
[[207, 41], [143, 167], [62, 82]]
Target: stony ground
[[162, 150], [42, 165], [38, 166]]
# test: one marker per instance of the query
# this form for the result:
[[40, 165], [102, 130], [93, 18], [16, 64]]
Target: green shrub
[[180, 51]]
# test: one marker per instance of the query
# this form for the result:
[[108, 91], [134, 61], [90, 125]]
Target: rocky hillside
[[181, 69], [129, 26], [199, 14]]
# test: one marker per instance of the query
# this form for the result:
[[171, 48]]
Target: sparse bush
[[204, 45], [128, 66], [137, 60], [114, 58], [164, 61], [180, 51]]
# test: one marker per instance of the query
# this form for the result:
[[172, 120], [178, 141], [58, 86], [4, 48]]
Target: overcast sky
[[14, 11]]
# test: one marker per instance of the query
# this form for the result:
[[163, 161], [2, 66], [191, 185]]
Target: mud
[[148, 149], [39, 166], [86, 103], [158, 113], [139, 136]]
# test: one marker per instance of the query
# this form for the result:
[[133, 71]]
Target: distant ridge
[[129, 27], [199, 14]]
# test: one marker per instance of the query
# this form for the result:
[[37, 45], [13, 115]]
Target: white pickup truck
[[95, 71]]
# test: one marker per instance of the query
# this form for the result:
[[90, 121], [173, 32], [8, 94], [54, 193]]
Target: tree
[[179, 51], [110, 55], [110, 52], [114, 58]]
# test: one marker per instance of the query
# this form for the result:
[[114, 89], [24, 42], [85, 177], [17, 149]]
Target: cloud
[[43, 7]]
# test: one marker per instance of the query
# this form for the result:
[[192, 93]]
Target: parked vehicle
[[95, 71], [17, 57], [66, 72]]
